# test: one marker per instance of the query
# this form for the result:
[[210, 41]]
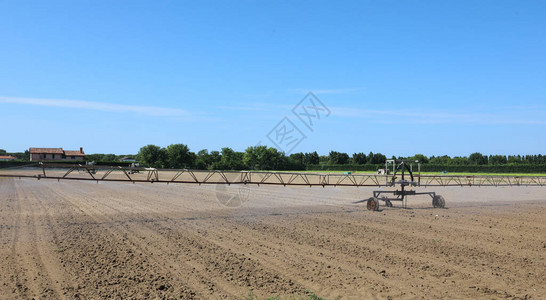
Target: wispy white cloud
[[428, 116], [100, 106]]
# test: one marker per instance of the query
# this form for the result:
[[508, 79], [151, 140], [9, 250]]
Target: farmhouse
[[7, 158], [41, 154]]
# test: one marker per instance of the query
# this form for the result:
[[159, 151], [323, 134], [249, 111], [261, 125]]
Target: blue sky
[[396, 77]]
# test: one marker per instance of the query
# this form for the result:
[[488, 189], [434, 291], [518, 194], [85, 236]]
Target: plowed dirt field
[[70, 240]]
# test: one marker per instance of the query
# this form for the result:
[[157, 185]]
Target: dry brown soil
[[70, 240]]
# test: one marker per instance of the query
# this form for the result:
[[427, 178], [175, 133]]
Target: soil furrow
[[191, 248], [134, 260], [82, 240]]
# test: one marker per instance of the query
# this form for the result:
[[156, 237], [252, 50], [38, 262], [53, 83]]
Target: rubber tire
[[438, 202], [373, 204]]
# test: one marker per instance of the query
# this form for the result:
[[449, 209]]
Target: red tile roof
[[47, 150], [73, 153], [56, 151], [7, 157]]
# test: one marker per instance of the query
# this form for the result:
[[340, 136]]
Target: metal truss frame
[[138, 174]]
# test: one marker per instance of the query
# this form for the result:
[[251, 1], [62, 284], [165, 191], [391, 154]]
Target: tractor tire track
[[37, 277]]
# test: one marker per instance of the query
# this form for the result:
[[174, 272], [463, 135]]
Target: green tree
[[179, 156], [478, 158], [459, 161], [369, 158], [152, 156], [215, 158], [440, 160], [94, 157], [203, 160], [231, 160], [377, 158], [253, 156], [421, 158], [109, 157], [359, 158], [497, 160], [312, 158], [262, 158], [295, 161], [323, 159], [338, 158], [3, 152], [18, 155], [298, 158], [513, 159]]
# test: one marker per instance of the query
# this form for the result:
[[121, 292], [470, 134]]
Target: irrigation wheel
[[373, 204], [438, 202]]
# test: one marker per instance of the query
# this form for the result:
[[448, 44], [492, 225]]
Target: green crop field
[[422, 173]]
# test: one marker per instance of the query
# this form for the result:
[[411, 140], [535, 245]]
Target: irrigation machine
[[402, 178], [398, 178]]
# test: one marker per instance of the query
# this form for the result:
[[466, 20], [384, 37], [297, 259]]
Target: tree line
[[18, 155], [178, 156], [267, 158], [25, 156]]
